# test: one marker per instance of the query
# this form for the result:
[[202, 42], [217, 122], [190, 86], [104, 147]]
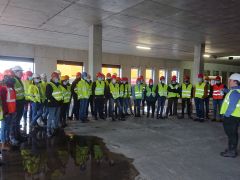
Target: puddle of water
[[65, 156]]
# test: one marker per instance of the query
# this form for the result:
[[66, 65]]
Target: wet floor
[[65, 156]]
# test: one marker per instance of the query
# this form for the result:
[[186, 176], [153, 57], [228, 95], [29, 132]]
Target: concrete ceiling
[[170, 27]]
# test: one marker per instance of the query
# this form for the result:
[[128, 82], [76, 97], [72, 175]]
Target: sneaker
[[231, 154]]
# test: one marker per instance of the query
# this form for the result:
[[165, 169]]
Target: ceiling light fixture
[[206, 56], [143, 47]]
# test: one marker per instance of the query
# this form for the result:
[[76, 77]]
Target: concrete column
[[198, 64], [95, 50]]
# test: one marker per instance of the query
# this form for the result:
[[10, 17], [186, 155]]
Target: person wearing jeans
[[137, 93], [161, 96]]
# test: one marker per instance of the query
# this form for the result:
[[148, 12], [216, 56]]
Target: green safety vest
[[114, 90], [186, 91], [199, 90], [129, 90], [138, 92], [172, 94], [99, 89], [121, 89], [226, 102], [57, 92], [34, 95], [1, 110], [66, 94], [26, 85], [83, 89], [151, 91], [18, 86], [162, 90], [126, 90], [44, 85]]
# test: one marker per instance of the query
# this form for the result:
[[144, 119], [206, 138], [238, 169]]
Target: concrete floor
[[167, 149]]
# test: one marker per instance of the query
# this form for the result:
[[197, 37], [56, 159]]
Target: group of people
[[48, 102]]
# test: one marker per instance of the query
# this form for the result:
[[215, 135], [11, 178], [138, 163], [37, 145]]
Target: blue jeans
[[53, 118], [137, 105], [5, 128], [161, 104], [15, 125], [125, 105], [217, 103], [117, 104], [83, 109], [206, 102], [45, 111], [37, 111], [199, 103]]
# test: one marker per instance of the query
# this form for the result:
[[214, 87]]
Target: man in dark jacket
[[55, 99], [76, 102]]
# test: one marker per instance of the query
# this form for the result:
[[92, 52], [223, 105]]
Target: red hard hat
[[218, 78], [8, 72], [141, 77], [162, 78], [118, 79], [108, 75], [55, 74], [114, 77], [78, 74], [174, 78], [186, 77], [124, 79], [28, 73], [138, 79], [99, 74], [200, 75], [150, 81]]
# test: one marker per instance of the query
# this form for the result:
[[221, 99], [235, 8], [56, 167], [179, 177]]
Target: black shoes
[[229, 153]]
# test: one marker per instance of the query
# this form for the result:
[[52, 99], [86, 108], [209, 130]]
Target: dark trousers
[[161, 104], [151, 105], [199, 103], [143, 106], [90, 103], [64, 113], [115, 103], [217, 103], [107, 107], [172, 106], [76, 104], [186, 102], [230, 125], [83, 109], [99, 106], [17, 118], [137, 105], [206, 103]]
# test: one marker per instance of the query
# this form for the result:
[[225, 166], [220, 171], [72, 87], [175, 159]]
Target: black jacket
[[74, 84]]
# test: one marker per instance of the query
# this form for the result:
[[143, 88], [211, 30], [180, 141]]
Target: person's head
[[55, 77], [36, 78], [218, 80], [138, 81], [108, 76], [88, 78], [207, 79], [150, 82], [186, 79], [84, 75], [99, 76], [78, 75], [114, 79], [174, 79], [234, 80], [18, 71], [8, 78], [124, 80], [43, 77], [200, 78], [141, 79], [65, 80], [59, 72], [162, 79], [29, 75]]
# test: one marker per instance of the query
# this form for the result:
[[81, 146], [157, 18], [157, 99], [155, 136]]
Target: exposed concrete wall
[[46, 59]]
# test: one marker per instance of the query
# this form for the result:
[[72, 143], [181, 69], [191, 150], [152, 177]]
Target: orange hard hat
[[28, 73], [108, 75], [218, 78], [162, 78], [200, 75], [78, 74], [114, 77], [55, 74], [150, 81], [8, 72], [174, 78]]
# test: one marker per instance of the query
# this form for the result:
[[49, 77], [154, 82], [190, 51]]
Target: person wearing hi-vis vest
[[151, 97], [126, 94], [27, 81], [90, 100], [66, 90], [207, 98], [186, 95], [144, 94], [161, 96], [137, 93], [200, 92], [107, 108], [7, 109], [115, 99], [37, 98], [55, 99], [173, 94], [83, 96], [99, 92], [231, 112], [20, 101], [44, 85], [218, 96]]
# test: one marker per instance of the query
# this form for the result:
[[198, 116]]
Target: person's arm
[[233, 99], [3, 92], [205, 95], [49, 92], [192, 91], [173, 90]]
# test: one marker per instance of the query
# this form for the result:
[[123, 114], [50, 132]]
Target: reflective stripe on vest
[[11, 100], [66, 94], [162, 90], [226, 102], [172, 94], [114, 89], [138, 92], [199, 91], [217, 91], [186, 90], [151, 91], [57, 92], [99, 89], [83, 89], [19, 89]]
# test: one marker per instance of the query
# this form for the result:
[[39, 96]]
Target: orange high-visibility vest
[[11, 100], [217, 91]]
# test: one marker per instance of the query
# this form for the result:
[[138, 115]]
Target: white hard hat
[[43, 75], [17, 68], [58, 71], [36, 75], [235, 76]]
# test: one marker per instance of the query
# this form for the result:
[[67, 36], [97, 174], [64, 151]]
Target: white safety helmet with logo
[[235, 77]]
